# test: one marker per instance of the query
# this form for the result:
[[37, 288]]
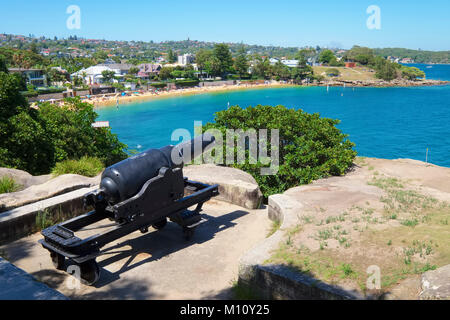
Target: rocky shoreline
[[383, 83]]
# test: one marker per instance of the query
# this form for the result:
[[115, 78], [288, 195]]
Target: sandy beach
[[112, 100]]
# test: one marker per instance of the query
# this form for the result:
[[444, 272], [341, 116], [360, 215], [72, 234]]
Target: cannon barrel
[[124, 179]]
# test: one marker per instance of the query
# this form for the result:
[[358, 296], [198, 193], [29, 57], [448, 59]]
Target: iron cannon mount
[[165, 195]]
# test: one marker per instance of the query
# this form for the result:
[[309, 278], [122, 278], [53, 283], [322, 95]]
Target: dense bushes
[[158, 85], [310, 148], [86, 166], [333, 72], [50, 90], [70, 129], [186, 83], [34, 140], [35, 92]]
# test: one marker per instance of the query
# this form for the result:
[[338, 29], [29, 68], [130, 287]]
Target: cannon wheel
[[160, 224], [144, 230], [89, 272], [57, 260]]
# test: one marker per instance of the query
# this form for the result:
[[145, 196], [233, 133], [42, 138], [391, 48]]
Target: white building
[[290, 63], [35, 77], [93, 75], [273, 61], [186, 59]]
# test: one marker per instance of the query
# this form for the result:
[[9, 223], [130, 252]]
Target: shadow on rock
[[158, 244]]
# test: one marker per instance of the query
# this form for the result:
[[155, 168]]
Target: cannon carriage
[[145, 190]]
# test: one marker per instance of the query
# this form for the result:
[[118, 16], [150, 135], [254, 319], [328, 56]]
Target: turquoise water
[[383, 122], [434, 71]]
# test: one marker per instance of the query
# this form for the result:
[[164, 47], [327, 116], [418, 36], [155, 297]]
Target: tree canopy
[[216, 62], [35, 139], [310, 147], [326, 56], [241, 64]]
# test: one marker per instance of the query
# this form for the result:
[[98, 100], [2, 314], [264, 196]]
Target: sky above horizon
[[410, 24]]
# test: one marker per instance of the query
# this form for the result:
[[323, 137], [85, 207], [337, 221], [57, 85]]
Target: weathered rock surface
[[159, 264], [436, 284], [314, 206], [48, 189], [383, 83], [235, 186], [23, 178]]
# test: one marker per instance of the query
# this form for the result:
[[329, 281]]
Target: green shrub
[[412, 73], [7, 184], [43, 220], [30, 94], [310, 148], [333, 72], [186, 83], [50, 90], [158, 85], [35, 140], [86, 166], [70, 129]]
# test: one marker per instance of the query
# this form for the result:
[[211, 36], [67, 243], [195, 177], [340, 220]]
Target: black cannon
[[142, 191]]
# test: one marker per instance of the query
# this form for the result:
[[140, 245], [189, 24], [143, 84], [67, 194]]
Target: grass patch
[[241, 291], [307, 219], [274, 228], [43, 220], [86, 166], [314, 264], [410, 222], [386, 183], [409, 205], [7, 185], [413, 240]]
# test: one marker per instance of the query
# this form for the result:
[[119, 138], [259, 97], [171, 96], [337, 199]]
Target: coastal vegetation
[[86, 166], [216, 62], [384, 69], [311, 147], [333, 72], [7, 184], [419, 56], [327, 57], [35, 139]]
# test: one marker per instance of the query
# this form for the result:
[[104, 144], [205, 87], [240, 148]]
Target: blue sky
[[404, 23]]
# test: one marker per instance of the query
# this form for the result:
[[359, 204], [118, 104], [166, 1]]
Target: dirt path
[[160, 264]]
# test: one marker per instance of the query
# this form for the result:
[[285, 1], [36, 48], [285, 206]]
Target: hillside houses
[[148, 70], [93, 75], [35, 77]]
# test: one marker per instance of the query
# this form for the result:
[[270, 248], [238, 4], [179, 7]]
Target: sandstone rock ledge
[[383, 83], [436, 284], [49, 188], [313, 207], [235, 186]]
